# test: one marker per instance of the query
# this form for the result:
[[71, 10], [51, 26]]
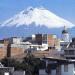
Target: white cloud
[[39, 16]]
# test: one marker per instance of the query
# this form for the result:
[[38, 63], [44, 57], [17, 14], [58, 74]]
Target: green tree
[[10, 62], [32, 64]]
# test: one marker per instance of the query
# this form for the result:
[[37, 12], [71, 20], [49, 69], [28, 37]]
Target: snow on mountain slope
[[38, 16]]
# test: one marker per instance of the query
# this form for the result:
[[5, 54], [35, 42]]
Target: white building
[[58, 67], [16, 40], [65, 35]]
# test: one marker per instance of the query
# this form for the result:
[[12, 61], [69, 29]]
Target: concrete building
[[69, 50], [47, 41], [58, 66], [65, 41], [53, 42], [15, 46], [65, 35], [64, 69], [3, 51], [16, 40], [9, 49]]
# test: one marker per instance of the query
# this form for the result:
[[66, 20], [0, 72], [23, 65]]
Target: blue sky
[[63, 8]]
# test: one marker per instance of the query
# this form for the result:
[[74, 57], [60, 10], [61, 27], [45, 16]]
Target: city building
[[65, 35], [10, 71], [10, 49], [46, 41], [57, 66], [17, 46], [69, 50]]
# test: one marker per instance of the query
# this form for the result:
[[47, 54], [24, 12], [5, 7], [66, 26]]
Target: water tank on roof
[[65, 35]]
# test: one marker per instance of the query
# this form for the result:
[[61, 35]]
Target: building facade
[[58, 67]]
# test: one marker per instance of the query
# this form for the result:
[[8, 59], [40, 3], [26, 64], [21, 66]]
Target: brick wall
[[3, 52], [15, 51]]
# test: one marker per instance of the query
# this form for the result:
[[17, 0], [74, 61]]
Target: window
[[71, 52], [65, 67]]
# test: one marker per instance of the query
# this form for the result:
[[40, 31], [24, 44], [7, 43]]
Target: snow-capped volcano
[[38, 16]]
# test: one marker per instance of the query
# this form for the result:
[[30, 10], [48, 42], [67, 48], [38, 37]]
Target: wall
[[51, 40], [3, 51], [70, 70], [15, 51], [53, 72], [42, 72], [17, 40], [19, 73], [10, 51]]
